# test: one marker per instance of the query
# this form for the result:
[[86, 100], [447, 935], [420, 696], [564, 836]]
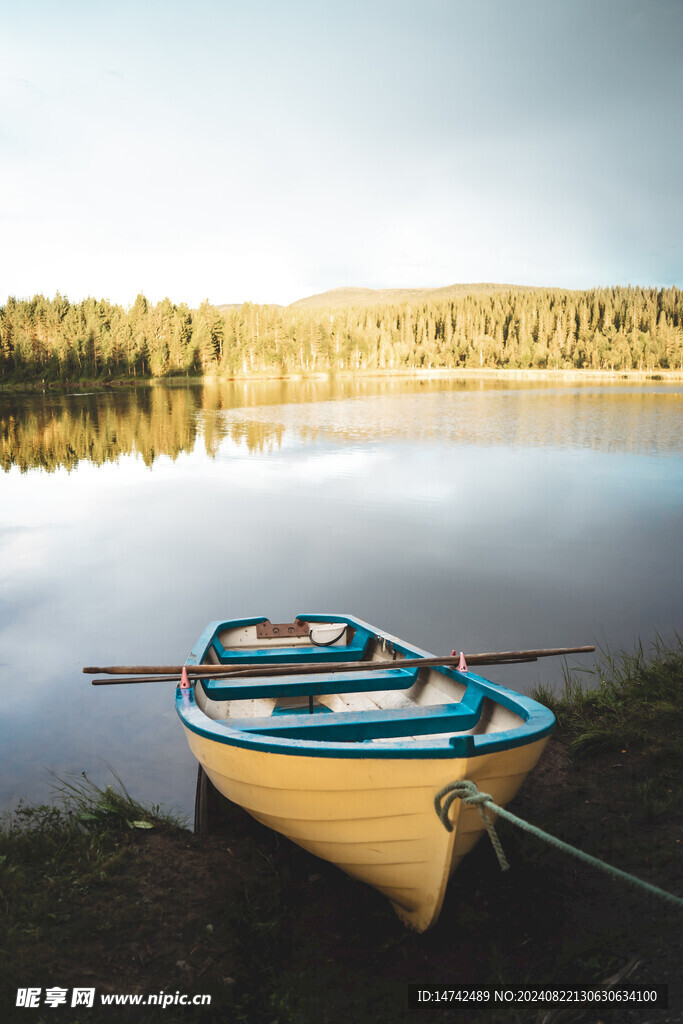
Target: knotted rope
[[468, 792]]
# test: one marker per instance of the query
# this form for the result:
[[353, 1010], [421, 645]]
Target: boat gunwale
[[537, 720]]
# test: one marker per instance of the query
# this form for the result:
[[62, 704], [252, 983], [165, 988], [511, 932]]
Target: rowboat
[[332, 733]]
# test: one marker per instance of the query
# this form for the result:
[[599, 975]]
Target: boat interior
[[371, 705]]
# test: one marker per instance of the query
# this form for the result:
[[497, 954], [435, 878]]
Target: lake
[[471, 514]]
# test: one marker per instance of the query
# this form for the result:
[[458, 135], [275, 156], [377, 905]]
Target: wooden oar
[[170, 673], [252, 672]]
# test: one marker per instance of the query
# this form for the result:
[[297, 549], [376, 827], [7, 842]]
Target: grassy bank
[[630, 703], [102, 892]]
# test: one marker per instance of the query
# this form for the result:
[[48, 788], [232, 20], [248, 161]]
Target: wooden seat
[[351, 726], [308, 685]]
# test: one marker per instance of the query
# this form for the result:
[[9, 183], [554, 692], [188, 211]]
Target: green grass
[[58, 860], [109, 808], [629, 703], [83, 827]]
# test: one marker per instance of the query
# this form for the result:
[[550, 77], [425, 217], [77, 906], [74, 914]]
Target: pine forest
[[621, 328]]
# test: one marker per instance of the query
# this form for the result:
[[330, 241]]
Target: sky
[[265, 150]]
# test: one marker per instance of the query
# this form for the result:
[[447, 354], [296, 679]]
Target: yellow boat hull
[[372, 818]]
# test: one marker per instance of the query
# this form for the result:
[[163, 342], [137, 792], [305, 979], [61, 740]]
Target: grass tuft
[[109, 808], [58, 865], [629, 703]]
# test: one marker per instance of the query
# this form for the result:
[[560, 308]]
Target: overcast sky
[[265, 150]]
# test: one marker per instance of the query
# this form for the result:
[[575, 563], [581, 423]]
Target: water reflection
[[60, 431], [607, 421], [453, 514]]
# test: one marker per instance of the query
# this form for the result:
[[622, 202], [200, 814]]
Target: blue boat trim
[[317, 709], [289, 655], [287, 733], [309, 685], [354, 726]]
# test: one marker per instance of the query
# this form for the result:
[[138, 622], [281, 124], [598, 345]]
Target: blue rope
[[468, 792]]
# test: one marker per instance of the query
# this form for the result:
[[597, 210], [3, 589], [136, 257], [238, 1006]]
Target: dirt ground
[[276, 936]]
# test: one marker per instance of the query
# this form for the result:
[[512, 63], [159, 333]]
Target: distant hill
[[225, 307], [340, 298]]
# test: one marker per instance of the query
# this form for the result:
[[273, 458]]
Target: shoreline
[[465, 373], [113, 895]]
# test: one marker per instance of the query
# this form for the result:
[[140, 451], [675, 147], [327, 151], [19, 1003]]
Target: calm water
[[474, 515]]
